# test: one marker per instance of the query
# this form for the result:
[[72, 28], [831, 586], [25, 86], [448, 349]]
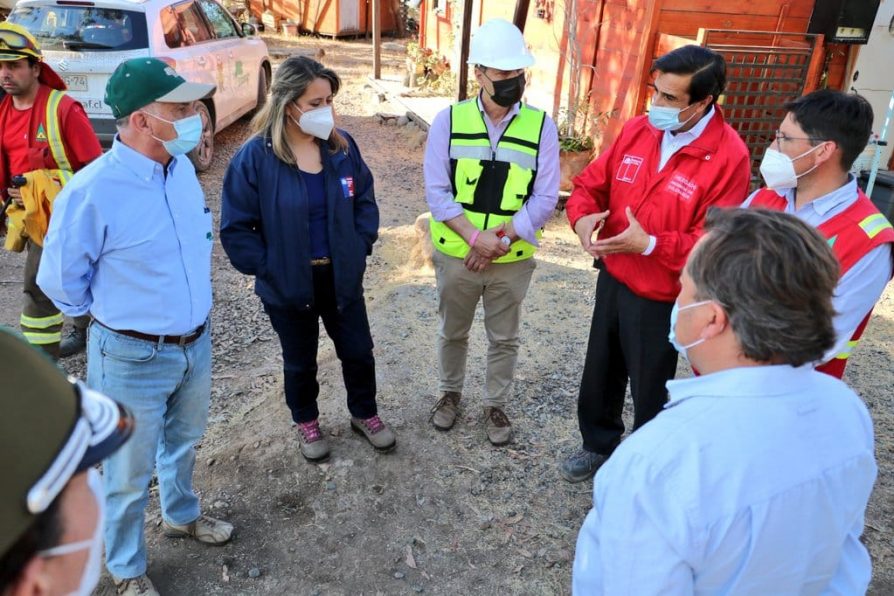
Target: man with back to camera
[[806, 170], [755, 477], [53, 432], [41, 128], [491, 182], [648, 194], [130, 242]]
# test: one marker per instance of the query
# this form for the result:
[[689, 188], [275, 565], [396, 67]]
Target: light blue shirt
[[131, 245], [672, 142], [751, 481], [860, 288]]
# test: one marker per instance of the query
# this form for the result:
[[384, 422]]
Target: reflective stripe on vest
[[470, 151], [874, 224], [54, 135]]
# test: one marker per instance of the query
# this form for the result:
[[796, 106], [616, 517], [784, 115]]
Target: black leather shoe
[[582, 465], [74, 343]]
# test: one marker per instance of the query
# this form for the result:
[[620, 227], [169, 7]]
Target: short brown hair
[[774, 275]]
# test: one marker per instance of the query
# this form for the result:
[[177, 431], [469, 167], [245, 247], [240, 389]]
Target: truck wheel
[[203, 154]]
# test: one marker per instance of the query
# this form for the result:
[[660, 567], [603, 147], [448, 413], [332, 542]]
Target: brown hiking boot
[[314, 446], [376, 432], [497, 426], [443, 415]]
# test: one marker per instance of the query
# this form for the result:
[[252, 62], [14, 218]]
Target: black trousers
[[299, 336], [628, 339]]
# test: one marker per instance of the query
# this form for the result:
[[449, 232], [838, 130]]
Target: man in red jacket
[[638, 210], [806, 171], [40, 128]]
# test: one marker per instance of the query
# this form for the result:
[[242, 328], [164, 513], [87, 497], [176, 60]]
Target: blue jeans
[[167, 388]]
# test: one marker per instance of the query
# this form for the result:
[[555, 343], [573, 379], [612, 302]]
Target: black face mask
[[508, 92]]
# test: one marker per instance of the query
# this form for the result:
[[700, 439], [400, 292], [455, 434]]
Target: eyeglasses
[[13, 40], [780, 136]]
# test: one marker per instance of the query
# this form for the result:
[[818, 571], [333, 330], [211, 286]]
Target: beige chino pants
[[502, 287]]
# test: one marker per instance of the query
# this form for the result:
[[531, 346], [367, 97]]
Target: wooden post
[[521, 14], [465, 33], [377, 38]]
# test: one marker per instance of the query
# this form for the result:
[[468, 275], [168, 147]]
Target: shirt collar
[[846, 193], [141, 165], [694, 132], [512, 111], [746, 381]]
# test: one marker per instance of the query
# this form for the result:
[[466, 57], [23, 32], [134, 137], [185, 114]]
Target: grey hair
[[775, 276], [289, 83]]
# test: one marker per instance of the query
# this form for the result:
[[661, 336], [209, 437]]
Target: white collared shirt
[[751, 481]]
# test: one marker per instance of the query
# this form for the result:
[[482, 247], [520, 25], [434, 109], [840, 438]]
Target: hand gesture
[[587, 229], [633, 240]]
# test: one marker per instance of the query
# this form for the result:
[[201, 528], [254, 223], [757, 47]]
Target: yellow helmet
[[17, 43]]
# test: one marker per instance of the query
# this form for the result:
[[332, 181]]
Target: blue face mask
[[189, 133], [665, 118], [672, 334]]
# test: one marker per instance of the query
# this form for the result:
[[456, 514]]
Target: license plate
[[75, 82]]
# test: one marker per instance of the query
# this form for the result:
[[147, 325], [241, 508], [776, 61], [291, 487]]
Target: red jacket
[[81, 144], [852, 234], [670, 205]]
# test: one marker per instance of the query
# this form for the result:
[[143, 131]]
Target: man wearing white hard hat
[[491, 182]]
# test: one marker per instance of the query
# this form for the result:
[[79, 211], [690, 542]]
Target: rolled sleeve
[[436, 169], [540, 206]]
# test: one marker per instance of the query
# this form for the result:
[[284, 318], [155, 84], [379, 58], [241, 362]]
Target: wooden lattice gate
[[764, 71]]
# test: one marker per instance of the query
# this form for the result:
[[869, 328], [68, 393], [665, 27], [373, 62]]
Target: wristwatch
[[503, 237]]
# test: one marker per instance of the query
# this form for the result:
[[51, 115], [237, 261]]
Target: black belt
[[180, 340]]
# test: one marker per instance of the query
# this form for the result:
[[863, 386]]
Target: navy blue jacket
[[264, 223]]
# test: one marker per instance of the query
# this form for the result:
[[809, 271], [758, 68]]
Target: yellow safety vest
[[490, 184]]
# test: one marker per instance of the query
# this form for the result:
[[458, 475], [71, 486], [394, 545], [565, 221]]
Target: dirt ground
[[446, 513]]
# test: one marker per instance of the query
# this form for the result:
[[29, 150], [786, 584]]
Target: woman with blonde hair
[[299, 213]]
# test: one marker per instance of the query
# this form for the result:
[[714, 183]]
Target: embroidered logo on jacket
[[629, 168], [682, 186], [41, 133]]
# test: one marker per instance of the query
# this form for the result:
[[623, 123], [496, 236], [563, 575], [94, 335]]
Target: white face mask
[[672, 334], [93, 567], [318, 122], [778, 169]]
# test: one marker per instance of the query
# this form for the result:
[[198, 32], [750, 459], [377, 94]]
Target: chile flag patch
[[347, 186]]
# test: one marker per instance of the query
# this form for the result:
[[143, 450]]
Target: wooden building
[[335, 18], [616, 42]]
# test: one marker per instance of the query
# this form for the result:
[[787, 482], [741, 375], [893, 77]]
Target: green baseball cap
[[51, 428], [140, 81]]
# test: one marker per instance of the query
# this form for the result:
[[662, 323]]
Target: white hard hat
[[499, 44]]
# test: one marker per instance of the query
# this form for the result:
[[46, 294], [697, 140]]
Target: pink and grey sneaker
[[376, 432], [314, 446]]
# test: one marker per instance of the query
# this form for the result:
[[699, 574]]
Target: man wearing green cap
[[130, 242], [41, 128], [52, 433]]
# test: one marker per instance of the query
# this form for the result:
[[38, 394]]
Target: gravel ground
[[446, 513]]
